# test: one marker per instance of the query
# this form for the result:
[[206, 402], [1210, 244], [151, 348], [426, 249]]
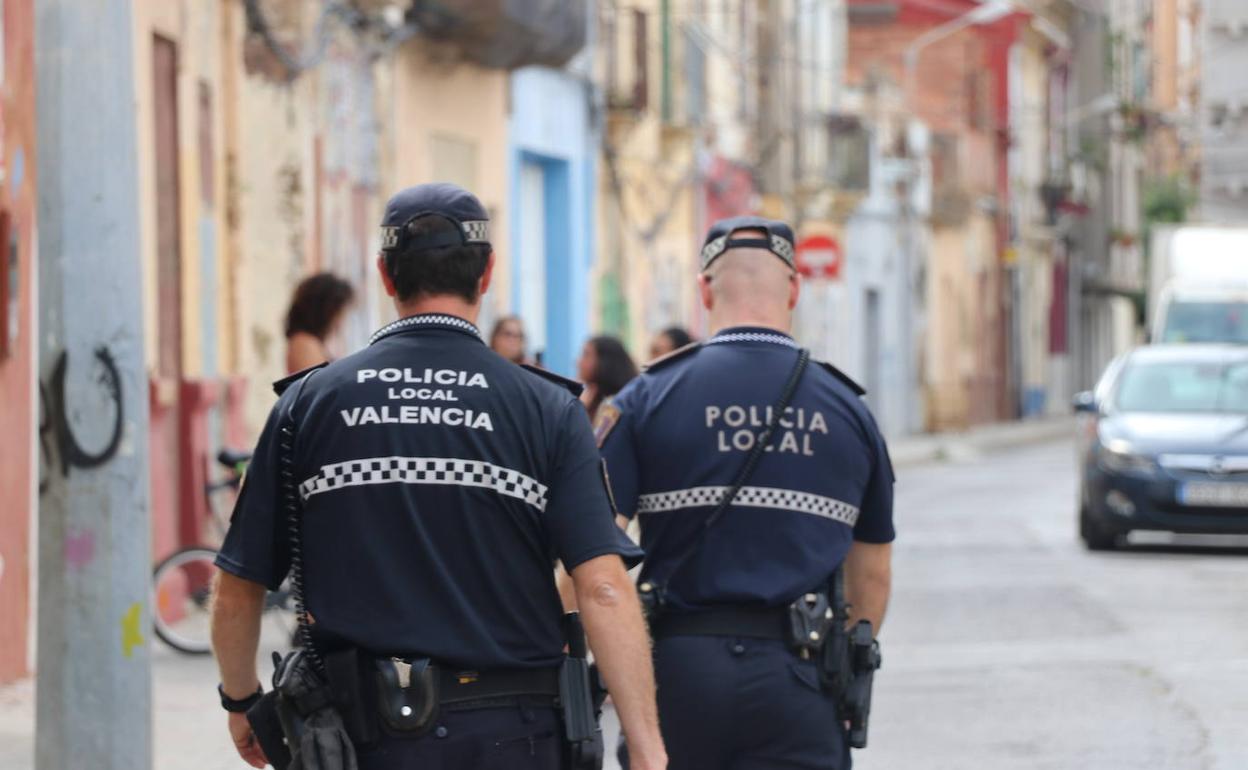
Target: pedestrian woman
[[671, 338], [605, 367], [316, 311], [507, 339]]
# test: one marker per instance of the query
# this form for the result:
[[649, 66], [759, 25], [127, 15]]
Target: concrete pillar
[[94, 674]]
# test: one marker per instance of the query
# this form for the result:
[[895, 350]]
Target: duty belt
[[756, 623], [458, 689]]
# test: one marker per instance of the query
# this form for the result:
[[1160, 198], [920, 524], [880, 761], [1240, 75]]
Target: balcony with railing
[[506, 34]]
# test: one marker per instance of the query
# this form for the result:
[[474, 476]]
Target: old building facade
[[19, 427]]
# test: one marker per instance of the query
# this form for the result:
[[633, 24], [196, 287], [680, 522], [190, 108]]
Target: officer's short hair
[[455, 269]]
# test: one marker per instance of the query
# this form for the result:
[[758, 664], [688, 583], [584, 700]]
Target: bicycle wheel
[[181, 600]]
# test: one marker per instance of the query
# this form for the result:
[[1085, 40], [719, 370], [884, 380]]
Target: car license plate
[[1206, 494]]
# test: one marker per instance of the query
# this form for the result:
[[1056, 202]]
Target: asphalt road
[[1009, 646]]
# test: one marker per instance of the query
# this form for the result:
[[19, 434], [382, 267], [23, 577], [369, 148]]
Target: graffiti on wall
[[81, 418]]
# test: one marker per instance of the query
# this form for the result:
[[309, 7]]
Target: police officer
[[734, 691], [439, 485]]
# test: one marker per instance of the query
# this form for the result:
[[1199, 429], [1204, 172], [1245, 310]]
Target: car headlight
[[1127, 463]]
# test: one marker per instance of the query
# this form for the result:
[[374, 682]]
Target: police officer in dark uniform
[[736, 691], [439, 484]]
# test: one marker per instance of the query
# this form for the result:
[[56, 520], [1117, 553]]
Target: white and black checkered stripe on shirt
[[775, 339], [751, 497], [427, 470], [424, 320]]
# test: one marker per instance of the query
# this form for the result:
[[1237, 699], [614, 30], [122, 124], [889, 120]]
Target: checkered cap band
[[427, 470], [779, 246], [389, 237], [477, 232], [751, 497], [713, 249], [783, 249]]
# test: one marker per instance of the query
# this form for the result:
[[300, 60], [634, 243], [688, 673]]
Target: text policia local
[[419, 385], [737, 428]]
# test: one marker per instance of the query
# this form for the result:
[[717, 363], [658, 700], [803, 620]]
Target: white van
[[1198, 287]]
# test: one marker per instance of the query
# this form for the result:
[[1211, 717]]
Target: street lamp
[[985, 13]]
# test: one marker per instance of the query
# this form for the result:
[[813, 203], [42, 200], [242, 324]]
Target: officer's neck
[[442, 304], [721, 321]]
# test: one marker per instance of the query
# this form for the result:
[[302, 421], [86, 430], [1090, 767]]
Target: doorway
[[544, 261]]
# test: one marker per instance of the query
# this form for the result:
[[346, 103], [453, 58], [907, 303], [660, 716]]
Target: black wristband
[[238, 706]]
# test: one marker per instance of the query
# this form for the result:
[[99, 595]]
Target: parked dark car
[[1164, 444]]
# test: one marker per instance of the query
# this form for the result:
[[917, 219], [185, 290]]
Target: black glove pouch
[[268, 729], [312, 725]]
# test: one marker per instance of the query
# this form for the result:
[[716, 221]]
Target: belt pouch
[[350, 674], [809, 618], [407, 694]]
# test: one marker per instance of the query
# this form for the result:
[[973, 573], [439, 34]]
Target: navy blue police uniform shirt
[[440, 483], [676, 437]]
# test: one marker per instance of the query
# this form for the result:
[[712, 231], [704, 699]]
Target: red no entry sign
[[819, 256]]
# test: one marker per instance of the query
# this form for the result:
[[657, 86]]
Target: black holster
[[580, 698], [350, 674], [847, 657], [855, 701]]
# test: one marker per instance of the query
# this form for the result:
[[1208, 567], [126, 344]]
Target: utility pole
[[94, 671]]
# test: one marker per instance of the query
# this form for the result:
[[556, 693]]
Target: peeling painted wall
[[17, 439], [446, 121]]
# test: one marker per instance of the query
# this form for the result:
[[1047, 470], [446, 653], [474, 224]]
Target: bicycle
[[182, 581]]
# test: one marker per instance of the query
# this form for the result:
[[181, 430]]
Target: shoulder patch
[[675, 355], [282, 385], [571, 385], [844, 378], [608, 415]]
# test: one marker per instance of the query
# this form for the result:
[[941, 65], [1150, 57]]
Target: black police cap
[[779, 240], [451, 202]]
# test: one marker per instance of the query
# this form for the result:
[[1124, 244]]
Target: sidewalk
[[189, 726], [965, 446]]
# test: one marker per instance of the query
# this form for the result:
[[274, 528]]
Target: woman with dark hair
[[605, 367], [671, 338], [316, 309], [507, 339]]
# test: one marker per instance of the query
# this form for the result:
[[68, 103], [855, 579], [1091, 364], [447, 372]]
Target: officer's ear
[[795, 289], [487, 276], [704, 290], [386, 280]]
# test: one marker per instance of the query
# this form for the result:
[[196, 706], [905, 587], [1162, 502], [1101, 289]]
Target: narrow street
[[1009, 646]]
